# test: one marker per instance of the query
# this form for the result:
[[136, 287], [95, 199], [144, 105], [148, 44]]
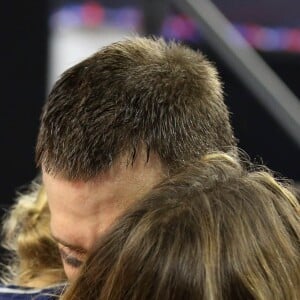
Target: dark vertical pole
[[154, 14]]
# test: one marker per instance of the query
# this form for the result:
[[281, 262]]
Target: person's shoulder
[[22, 293]]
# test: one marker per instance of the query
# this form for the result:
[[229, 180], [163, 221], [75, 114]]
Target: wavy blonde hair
[[34, 258], [214, 231]]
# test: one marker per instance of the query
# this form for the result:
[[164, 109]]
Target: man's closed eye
[[70, 260]]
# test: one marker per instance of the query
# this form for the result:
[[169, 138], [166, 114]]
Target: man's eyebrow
[[70, 246]]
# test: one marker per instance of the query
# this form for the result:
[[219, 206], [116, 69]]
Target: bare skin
[[82, 211]]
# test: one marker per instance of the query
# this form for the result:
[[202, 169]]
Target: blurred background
[[40, 40]]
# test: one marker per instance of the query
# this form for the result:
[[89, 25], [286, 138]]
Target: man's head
[[137, 93], [119, 121]]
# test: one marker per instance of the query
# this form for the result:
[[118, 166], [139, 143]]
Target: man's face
[[82, 211]]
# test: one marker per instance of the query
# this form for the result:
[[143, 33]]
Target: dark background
[[24, 31], [23, 80]]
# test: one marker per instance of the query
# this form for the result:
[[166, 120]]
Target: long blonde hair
[[34, 257], [214, 231]]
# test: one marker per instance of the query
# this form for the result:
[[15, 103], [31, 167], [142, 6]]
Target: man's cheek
[[71, 272]]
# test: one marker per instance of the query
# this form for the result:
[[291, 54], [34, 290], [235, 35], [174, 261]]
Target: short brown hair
[[135, 93], [212, 232]]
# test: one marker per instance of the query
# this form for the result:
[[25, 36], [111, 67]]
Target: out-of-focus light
[[93, 14], [175, 26], [69, 16]]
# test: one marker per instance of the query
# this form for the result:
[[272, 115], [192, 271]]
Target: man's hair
[[135, 94], [34, 259], [212, 232]]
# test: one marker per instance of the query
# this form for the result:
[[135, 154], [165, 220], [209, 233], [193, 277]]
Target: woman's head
[[213, 231], [35, 260]]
